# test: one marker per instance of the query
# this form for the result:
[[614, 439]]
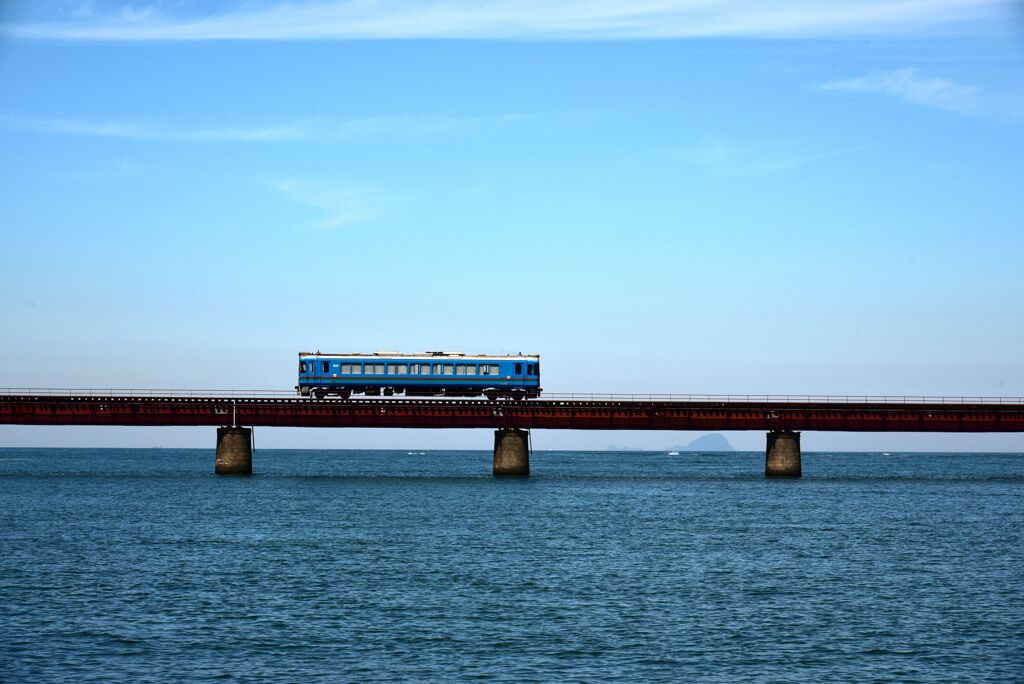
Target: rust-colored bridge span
[[783, 417], [557, 412]]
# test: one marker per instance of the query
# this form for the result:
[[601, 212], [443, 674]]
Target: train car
[[430, 374]]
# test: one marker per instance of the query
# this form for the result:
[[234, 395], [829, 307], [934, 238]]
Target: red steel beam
[[541, 414]]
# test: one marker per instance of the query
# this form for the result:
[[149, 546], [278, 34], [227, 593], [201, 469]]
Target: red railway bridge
[[781, 417]]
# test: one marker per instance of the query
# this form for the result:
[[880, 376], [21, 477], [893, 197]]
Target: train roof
[[423, 355]]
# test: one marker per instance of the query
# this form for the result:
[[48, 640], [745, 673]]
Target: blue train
[[450, 374]]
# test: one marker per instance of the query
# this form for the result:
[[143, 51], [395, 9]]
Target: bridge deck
[[566, 412]]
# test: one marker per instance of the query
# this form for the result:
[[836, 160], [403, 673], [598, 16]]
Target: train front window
[[302, 366]]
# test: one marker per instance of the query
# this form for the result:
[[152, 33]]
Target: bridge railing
[[153, 392], [548, 396], [786, 398]]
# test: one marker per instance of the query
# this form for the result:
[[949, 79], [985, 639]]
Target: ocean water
[[338, 566]]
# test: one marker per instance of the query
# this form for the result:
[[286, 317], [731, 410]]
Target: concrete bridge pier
[[511, 453], [782, 457], [234, 451]]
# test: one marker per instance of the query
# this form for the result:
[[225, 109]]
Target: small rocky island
[[712, 442]]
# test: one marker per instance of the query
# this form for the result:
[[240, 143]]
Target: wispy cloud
[[909, 85], [725, 157], [341, 204], [148, 131], [318, 130], [508, 19]]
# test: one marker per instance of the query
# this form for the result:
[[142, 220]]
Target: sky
[[659, 196]]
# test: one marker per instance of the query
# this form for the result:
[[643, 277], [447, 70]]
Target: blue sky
[[657, 196]]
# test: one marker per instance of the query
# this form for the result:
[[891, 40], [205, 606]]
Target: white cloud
[[149, 131], [341, 204], [909, 85], [723, 157], [906, 84], [513, 19], [320, 130]]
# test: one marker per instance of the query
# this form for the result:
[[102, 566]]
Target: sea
[[141, 565]]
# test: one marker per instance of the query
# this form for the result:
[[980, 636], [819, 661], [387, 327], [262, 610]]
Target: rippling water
[[134, 565]]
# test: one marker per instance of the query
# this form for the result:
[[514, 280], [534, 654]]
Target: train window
[[346, 369], [378, 368], [519, 369], [327, 366], [402, 369], [536, 369], [424, 369], [529, 369], [392, 369], [437, 369], [302, 366], [470, 370], [460, 369], [449, 369], [484, 369], [494, 369]]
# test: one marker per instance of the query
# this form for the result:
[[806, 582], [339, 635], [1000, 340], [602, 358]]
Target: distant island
[[712, 442]]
